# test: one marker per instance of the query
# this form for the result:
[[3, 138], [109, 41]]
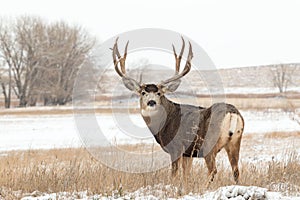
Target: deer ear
[[131, 84], [171, 87]]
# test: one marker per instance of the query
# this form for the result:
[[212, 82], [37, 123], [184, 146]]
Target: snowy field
[[158, 192], [60, 131], [23, 132]]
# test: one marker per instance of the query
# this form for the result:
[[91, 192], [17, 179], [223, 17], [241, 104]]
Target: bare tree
[[5, 82], [66, 50], [11, 58], [20, 57], [43, 58], [29, 35], [282, 76]]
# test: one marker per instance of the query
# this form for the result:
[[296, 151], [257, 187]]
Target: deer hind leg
[[210, 161], [233, 150], [233, 156]]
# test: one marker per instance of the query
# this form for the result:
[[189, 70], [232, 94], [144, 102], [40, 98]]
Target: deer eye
[[158, 93], [143, 93]]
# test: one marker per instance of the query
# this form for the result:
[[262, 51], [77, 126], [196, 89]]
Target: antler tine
[[125, 53], [182, 48], [188, 63], [115, 53], [178, 59], [120, 60], [117, 48], [186, 69]]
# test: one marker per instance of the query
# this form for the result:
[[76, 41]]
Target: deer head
[[151, 95]]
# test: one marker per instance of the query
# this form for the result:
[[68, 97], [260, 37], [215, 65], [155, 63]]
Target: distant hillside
[[257, 76], [256, 79]]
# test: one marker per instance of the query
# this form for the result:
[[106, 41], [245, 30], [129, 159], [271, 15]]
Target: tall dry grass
[[76, 170]]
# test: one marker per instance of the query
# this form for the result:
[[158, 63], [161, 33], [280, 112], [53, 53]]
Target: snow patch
[[59, 131], [156, 192]]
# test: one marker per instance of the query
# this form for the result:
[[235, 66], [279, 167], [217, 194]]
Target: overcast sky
[[233, 33]]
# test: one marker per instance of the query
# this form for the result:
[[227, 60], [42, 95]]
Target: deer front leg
[[186, 167], [175, 167], [180, 169]]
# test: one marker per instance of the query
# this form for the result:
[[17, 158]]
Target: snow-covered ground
[[60, 131], [21, 132], [162, 192]]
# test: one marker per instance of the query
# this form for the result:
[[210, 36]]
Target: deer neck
[[157, 120]]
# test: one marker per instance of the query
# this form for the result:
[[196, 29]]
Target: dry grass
[[282, 134], [240, 103], [249, 103], [102, 106], [76, 170]]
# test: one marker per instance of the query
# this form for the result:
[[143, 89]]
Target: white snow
[[269, 121], [20, 132], [37, 132], [235, 192], [157, 192], [60, 131]]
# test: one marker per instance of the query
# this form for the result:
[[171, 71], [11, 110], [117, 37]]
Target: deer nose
[[151, 103]]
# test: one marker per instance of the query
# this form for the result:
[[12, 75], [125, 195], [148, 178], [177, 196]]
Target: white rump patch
[[233, 122]]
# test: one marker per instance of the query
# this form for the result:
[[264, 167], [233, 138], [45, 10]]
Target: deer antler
[[121, 60], [187, 67], [178, 59]]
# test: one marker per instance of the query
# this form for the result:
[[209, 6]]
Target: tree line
[[39, 61]]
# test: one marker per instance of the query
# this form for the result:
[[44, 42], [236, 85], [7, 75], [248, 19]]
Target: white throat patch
[[148, 112]]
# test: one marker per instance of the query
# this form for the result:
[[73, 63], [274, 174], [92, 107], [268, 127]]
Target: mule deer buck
[[185, 131]]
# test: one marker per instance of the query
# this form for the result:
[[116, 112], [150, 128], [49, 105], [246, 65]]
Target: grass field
[[270, 160], [77, 170]]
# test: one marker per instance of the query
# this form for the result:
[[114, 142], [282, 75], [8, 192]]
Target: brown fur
[[187, 129]]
